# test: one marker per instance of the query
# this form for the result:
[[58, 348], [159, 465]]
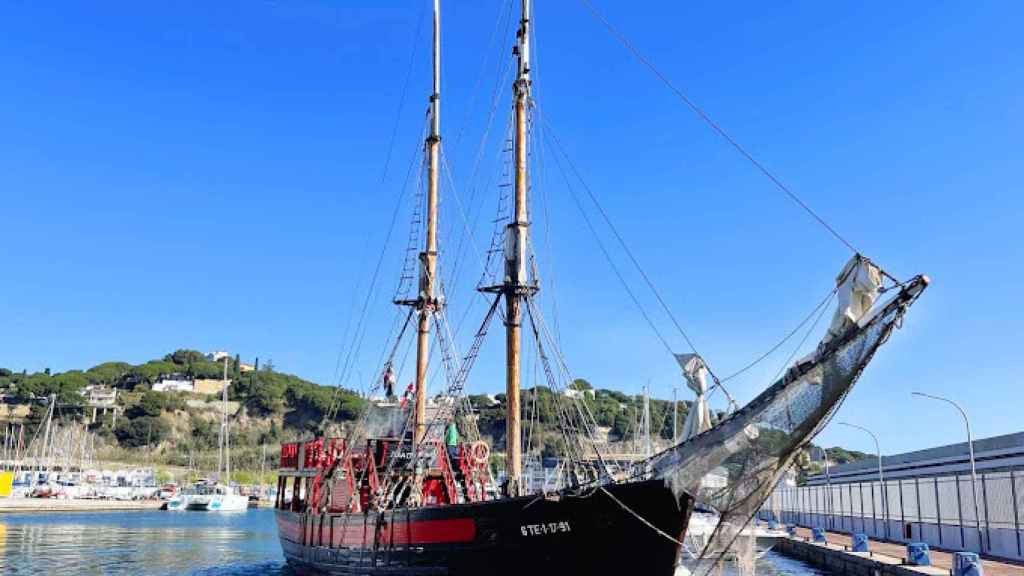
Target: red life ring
[[480, 453]]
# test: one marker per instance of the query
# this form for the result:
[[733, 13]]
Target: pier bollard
[[917, 554], [860, 543], [967, 564], [818, 534]]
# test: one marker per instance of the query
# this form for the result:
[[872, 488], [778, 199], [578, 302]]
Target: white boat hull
[[219, 503]]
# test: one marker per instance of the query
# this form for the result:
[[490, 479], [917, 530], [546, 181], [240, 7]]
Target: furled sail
[[757, 444], [858, 287], [698, 419]]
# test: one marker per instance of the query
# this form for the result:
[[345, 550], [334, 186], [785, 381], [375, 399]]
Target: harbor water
[[156, 543]]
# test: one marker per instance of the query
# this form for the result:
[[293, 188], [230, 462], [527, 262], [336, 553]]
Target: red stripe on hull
[[454, 531], [360, 535]]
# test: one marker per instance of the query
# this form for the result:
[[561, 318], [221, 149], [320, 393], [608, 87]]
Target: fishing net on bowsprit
[[734, 466]]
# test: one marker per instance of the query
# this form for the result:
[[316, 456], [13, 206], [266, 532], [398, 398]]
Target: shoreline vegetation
[[176, 432]]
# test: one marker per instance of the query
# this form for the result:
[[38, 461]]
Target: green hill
[[270, 407], [178, 427]]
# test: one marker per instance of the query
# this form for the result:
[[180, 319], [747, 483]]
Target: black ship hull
[[594, 533]]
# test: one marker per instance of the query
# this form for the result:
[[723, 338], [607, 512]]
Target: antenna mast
[[427, 301], [516, 286]]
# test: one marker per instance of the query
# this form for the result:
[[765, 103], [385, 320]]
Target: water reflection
[[770, 564], [154, 543], [183, 543]]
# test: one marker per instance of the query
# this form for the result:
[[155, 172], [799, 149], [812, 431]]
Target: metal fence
[[937, 510]]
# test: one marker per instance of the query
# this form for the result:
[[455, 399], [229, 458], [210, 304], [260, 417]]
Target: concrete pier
[[883, 559], [11, 505]]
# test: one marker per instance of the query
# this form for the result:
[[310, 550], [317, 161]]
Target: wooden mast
[[426, 300], [516, 283]]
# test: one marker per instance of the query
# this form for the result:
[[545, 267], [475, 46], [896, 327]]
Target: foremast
[[427, 301], [516, 285]]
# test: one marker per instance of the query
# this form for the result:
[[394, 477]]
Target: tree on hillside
[[195, 364], [152, 371], [184, 357], [480, 401], [151, 404], [142, 431], [108, 373], [580, 384], [205, 434], [842, 455], [67, 387]]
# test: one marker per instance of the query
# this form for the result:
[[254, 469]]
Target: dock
[[885, 558], [13, 505]]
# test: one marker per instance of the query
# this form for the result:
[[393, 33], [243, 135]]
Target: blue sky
[[212, 176]]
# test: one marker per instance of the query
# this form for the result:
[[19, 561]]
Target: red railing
[[447, 474], [289, 455]]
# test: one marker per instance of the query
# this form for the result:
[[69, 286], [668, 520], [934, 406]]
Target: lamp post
[[828, 495], [881, 475], [970, 450]]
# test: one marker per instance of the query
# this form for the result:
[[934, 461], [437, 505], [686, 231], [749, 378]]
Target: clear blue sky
[[209, 176]]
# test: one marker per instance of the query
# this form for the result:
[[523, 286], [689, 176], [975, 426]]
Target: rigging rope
[[632, 258], [715, 126], [608, 257], [360, 332], [586, 417], [637, 515], [620, 239], [807, 335], [503, 18], [356, 345], [793, 332], [387, 167]]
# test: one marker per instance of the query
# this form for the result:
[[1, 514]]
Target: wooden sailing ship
[[402, 502]]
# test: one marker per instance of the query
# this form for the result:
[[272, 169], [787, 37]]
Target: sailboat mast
[[427, 301], [648, 447], [516, 286], [675, 416], [227, 432]]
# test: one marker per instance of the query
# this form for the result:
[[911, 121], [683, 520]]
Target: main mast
[[426, 301], [516, 285]]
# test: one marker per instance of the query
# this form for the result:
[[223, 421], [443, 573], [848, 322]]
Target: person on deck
[[405, 396], [451, 441], [389, 383]]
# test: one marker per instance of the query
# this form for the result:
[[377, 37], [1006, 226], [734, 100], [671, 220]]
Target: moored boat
[[216, 498], [579, 530], [405, 498]]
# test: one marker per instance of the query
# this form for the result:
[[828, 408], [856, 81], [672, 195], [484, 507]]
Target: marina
[[511, 287]]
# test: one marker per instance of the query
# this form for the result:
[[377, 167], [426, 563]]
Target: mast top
[[435, 96]]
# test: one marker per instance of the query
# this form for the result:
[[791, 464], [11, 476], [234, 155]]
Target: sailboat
[[387, 499], [217, 496]]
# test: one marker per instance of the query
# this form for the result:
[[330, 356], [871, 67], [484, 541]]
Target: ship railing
[[289, 455]]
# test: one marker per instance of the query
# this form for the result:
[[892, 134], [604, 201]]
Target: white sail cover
[[698, 419], [857, 289]]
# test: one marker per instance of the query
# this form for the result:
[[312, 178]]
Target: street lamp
[[828, 498], [970, 448], [881, 476]]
